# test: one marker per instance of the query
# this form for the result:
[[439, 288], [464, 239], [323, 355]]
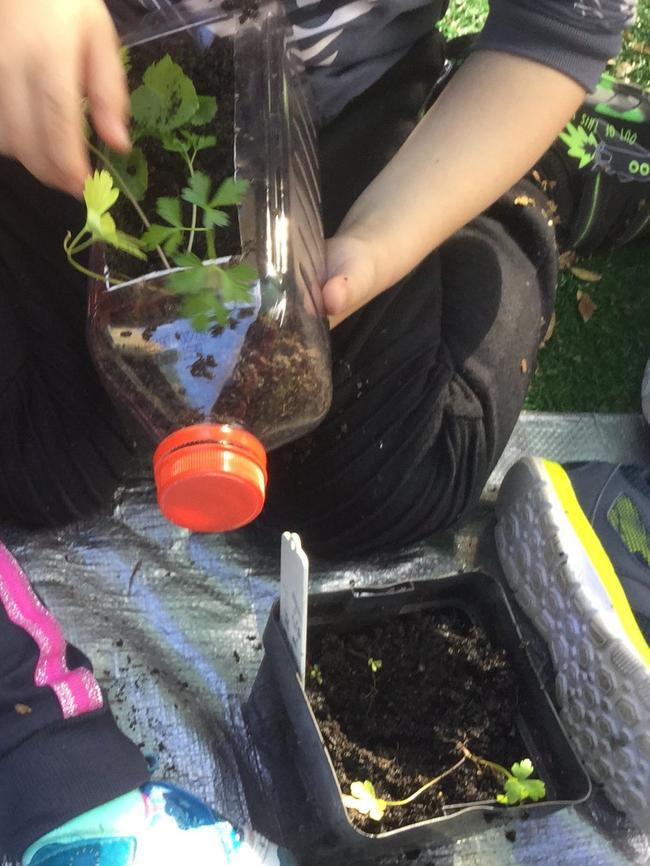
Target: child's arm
[[496, 117], [53, 53]]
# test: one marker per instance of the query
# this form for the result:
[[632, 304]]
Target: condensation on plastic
[[143, 346], [162, 613]]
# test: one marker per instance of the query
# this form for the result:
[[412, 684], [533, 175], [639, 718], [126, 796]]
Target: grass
[[593, 366], [597, 366]]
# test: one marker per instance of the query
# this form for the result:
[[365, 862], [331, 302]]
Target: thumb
[[350, 281]]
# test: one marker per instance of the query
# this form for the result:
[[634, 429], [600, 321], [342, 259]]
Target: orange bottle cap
[[210, 477]]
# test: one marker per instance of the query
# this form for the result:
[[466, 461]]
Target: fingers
[[60, 158], [105, 83], [54, 54]]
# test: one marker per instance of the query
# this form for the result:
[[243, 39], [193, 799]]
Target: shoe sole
[[565, 583]]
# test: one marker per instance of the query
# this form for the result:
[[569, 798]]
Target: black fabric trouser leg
[[61, 452], [61, 447], [430, 377]]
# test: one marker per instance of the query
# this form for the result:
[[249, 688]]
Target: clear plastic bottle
[[213, 397]]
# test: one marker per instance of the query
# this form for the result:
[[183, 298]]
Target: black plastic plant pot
[[324, 832]]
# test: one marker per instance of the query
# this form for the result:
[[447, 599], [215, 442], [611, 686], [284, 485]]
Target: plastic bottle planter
[[217, 372], [322, 831]]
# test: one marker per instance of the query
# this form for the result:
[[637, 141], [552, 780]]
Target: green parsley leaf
[[166, 100], [236, 283], [230, 192], [205, 112], [99, 195], [131, 172]]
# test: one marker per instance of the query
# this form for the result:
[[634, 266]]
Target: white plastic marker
[[294, 581]]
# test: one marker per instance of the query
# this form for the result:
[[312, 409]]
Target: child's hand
[[351, 276], [54, 52]]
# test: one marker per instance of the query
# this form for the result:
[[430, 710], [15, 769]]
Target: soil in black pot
[[441, 682]]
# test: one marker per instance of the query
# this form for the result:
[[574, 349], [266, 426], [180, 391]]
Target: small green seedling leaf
[[198, 190], [127, 243], [232, 191], [519, 786], [166, 236], [130, 172], [174, 143], [198, 193], [236, 283], [166, 100], [204, 310], [375, 664], [99, 195], [190, 281], [170, 210], [200, 142], [316, 674], [187, 260], [363, 799], [205, 112], [522, 769]]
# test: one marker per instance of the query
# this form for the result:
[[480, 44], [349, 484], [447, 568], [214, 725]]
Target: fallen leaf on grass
[[525, 201], [567, 258], [624, 68], [639, 47], [585, 275], [586, 306], [22, 709], [549, 331]]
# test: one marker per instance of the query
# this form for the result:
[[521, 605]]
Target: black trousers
[[428, 382], [430, 377]]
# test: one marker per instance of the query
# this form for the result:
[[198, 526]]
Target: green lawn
[[595, 365]]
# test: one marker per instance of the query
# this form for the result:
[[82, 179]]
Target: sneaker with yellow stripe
[[574, 543]]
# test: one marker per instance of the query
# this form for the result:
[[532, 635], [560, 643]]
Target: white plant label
[[294, 581]]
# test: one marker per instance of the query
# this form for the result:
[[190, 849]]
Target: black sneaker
[[574, 543], [598, 171]]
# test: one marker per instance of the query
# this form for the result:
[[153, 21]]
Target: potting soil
[[439, 682]]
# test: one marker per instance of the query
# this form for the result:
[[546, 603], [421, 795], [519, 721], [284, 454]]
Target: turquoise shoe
[[156, 825]]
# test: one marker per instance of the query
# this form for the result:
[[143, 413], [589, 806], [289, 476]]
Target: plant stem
[[95, 276], [84, 246], [209, 240], [190, 242], [428, 785], [483, 762], [127, 192]]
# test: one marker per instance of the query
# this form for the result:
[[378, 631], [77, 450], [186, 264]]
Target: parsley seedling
[[166, 108], [518, 786]]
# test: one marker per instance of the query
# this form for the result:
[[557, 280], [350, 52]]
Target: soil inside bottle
[[440, 682]]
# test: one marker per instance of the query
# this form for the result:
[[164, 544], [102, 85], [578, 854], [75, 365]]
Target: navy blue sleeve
[[576, 37]]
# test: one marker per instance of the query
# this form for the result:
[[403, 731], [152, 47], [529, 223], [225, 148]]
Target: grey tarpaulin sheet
[[173, 623]]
